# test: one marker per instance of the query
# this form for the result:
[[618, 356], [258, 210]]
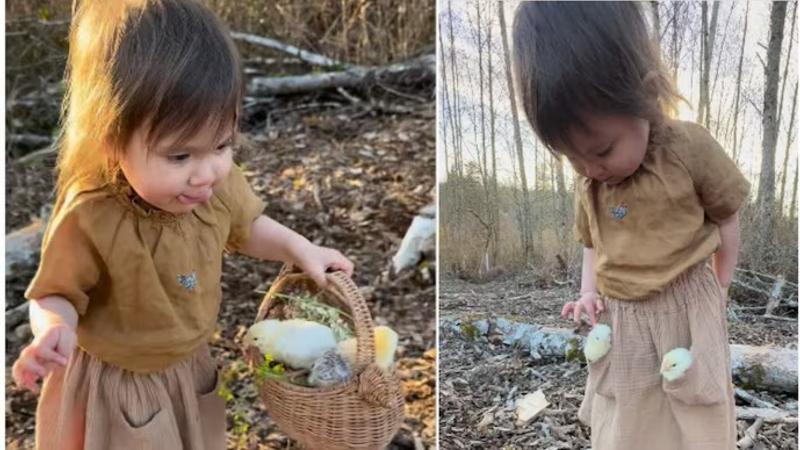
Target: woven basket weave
[[364, 413]]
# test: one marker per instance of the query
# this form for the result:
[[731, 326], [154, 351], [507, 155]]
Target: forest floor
[[345, 175], [481, 380]]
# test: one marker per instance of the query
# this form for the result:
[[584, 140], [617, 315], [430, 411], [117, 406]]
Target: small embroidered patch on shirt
[[619, 212], [189, 281]]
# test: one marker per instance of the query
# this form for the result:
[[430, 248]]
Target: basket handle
[[343, 288]]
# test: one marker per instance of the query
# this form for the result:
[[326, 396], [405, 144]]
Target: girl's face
[[610, 149], [177, 178]]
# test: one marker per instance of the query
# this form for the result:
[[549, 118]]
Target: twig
[[772, 278], [785, 319], [518, 297], [350, 97], [775, 296], [752, 399], [768, 415], [402, 94], [29, 139], [309, 57], [32, 156], [749, 438]]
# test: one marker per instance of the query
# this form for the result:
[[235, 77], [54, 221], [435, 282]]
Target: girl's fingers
[[48, 354], [590, 311], [318, 277], [567, 309], [30, 382], [576, 312], [599, 305]]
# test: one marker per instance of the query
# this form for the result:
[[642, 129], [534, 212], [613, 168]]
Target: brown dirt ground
[[345, 177], [480, 381]]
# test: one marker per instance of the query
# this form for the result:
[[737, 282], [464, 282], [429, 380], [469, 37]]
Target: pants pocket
[[211, 409], [701, 385], [152, 432], [600, 376]]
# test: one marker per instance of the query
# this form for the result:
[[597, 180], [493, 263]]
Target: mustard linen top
[[145, 283], [662, 219]]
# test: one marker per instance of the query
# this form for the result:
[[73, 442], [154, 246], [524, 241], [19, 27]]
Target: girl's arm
[[724, 260], [589, 302], [272, 241], [588, 277], [50, 311]]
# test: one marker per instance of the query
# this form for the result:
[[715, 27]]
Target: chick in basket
[[385, 348], [336, 366], [295, 342]]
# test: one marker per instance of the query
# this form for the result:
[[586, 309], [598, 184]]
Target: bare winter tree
[[766, 181], [739, 88], [527, 234], [789, 137], [707, 36]]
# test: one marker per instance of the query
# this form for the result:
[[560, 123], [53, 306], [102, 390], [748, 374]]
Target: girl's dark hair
[[169, 66], [576, 58]]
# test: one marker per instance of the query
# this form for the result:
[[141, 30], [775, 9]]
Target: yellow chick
[[385, 346], [598, 342], [675, 363], [296, 342]]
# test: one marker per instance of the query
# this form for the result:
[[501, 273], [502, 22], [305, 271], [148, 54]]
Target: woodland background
[[347, 164], [508, 258]]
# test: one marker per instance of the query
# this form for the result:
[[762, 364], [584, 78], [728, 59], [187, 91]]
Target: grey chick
[[330, 369]]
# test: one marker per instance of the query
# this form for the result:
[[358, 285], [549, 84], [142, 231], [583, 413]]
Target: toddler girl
[[127, 292], [655, 200]]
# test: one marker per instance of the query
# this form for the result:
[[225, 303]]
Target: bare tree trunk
[[677, 37], [766, 182], [517, 136], [656, 21], [459, 155], [708, 35], [793, 207], [716, 74], [484, 165], [786, 67], [739, 88], [495, 205], [445, 104], [785, 166], [703, 41]]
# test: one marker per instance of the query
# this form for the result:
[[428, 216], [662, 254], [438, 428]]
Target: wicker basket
[[364, 413]]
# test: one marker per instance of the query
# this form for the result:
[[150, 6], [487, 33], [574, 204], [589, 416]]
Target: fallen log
[[422, 69], [766, 414], [763, 368], [304, 55], [22, 244]]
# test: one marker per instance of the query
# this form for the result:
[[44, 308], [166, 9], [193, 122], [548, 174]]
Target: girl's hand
[[316, 260], [590, 303], [52, 346]]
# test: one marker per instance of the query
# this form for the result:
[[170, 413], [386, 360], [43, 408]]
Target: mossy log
[[762, 368]]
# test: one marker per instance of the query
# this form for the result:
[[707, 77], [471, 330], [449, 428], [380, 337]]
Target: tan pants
[[93, 406], [629, 406]]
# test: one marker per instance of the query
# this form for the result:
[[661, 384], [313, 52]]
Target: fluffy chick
[[296, 343], [675, 363], [385, 346], [330, 369], [598, 342]]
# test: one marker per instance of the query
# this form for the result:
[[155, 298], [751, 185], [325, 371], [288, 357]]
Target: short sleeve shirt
[[145, 283], [662, 219]]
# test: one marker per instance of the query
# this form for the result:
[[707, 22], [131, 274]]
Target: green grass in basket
[[269, 369], [310, 308]]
